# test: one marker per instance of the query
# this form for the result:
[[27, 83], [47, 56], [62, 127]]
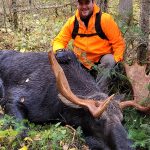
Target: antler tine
[[103, 106], [132, 103], [96, 108]]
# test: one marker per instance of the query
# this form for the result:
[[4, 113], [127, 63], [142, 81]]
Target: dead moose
[[32, 88]]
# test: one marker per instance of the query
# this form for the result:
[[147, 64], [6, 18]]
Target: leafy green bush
[[138, 126]]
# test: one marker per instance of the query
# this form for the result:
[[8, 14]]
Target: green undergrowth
[[39, 137], [58, 137], [138, 126]]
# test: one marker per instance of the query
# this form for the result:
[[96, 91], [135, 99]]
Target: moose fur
[[28, 90]]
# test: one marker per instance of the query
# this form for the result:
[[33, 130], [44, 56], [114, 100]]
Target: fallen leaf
[[24, 148]]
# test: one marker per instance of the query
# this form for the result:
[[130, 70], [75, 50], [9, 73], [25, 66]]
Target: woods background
[[37, 22]]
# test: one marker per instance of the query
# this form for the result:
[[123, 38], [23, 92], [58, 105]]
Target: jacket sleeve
[[114, 36], [65, 35]]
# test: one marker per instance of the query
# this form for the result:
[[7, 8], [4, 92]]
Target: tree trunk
[[126, 11], [4, 10], [144, 18], [143, 52], [15, 16], [103, 4], [30, 2], [72, 6]]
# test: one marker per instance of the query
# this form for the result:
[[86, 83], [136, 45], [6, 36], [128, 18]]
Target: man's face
[[85, 7]]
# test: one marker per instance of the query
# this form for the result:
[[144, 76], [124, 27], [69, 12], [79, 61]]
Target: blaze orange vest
[[89, 49]]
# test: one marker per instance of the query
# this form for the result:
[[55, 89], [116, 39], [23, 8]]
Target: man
[[89, 47]]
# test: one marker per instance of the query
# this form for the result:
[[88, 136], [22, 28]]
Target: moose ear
[[67, 102], [119, 97]]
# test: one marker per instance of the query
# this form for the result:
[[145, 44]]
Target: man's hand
[[62, 56]]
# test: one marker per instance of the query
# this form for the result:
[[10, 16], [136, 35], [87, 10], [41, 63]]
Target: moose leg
[[14, 109], [11, 106], [2, 91]]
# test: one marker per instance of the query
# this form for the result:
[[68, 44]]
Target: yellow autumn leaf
[[24, 148], [28, 139], [22, 50], [72, 149]]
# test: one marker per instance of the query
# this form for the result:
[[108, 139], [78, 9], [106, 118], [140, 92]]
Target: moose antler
[[139, 80], [96, 108]]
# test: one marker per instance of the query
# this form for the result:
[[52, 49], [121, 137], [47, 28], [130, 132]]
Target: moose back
[[28, 90]]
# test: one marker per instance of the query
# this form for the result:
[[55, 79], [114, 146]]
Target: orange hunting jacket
[[90, 49]]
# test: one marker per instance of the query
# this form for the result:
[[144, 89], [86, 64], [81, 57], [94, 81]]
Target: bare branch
[[43, 7]]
